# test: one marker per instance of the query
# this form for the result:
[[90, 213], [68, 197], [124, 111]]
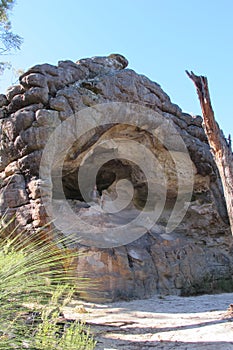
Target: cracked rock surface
[[196, 257]]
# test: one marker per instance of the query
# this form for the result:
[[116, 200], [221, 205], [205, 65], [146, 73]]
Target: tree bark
[[220, 147]]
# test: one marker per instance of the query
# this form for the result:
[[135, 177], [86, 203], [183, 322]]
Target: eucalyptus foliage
[[8, 40]]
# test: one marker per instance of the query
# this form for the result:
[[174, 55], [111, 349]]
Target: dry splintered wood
[[220, 147]]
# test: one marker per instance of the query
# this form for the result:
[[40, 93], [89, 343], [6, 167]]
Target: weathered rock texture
[[195, 258]]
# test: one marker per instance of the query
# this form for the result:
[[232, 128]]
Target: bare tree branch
[[220, 146]]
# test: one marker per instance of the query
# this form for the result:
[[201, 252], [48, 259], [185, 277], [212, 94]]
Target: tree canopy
[[8, 40]]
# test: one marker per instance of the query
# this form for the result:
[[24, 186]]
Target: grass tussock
[[36, 282]]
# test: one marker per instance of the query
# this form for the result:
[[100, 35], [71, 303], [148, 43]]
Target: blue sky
[[160, 38]]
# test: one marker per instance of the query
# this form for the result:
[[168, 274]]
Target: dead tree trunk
[[221, 148]]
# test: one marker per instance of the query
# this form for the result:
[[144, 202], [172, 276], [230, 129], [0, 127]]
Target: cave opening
[[107, 177]]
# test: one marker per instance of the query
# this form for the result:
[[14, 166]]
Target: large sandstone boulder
[[49, 108]]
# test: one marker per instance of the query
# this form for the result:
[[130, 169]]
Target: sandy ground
[[161, 322]]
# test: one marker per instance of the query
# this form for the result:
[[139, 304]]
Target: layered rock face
[[195, 257]]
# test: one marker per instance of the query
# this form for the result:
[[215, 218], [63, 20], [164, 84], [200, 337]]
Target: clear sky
[[160, 38]]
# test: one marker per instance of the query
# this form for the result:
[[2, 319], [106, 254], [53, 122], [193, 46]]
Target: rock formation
[[194, 258]]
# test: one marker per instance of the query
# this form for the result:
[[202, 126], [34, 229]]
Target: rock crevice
[[194, 258]]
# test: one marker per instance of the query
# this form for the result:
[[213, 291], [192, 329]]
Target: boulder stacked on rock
[[194, 258]]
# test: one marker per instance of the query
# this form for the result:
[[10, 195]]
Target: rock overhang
[[45, 98]]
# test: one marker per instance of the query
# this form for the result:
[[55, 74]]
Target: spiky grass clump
[[32, 273]]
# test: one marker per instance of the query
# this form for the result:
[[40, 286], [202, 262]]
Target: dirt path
[[168, 322]]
